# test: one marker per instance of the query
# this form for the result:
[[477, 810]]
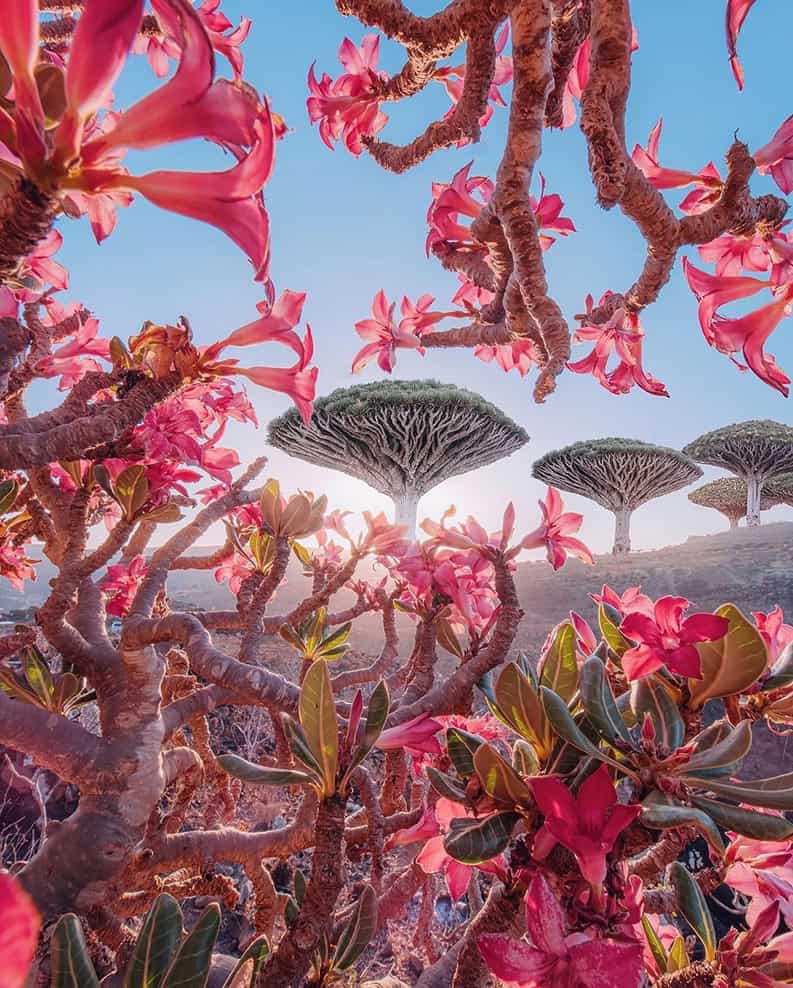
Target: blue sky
[[343, 228]]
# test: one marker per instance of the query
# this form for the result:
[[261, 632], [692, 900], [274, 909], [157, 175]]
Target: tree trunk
[[622, 531], [406, 506], [734, 519], [754, 485]]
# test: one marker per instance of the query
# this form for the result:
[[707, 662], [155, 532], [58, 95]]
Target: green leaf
[[247, 968], [70, 964], [8, 494], [190, 967], [446, 786], [524, 758], [692, 906], [475, 841], [318, 720], [567, 729], [11, 685], [753, 793], [102, 477], [314, 630], [499, 778], [38, 675], [298, 742], [291, 911], [165, 514], [338, 637], [156, 944], [730, 664], [448, 639], [292, 636], [650, 696], [262, 775], [660, 815], [376, 716], [609, 621], [67, 688], [132, 490], [758, 826], [657, 948], [358, 932], [302, 554], [521, 707], [678, 957], [599, 703], [301, 887], [461, 747], [559, 665], [726, 754]]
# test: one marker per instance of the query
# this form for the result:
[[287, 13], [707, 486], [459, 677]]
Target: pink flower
[[234, 570], [555, 532], [587, 640], [747, 333], [646, 159], [776, 157], [548, 210], [75, 359], [519, 355], [485, 726], [426, 828], [121, 584], [630, 602], [775, 633], [433, 857], [587, 824], [415, 736], [19, 932], [386, 335], [667, 639], [736, 15], [731, 254], [348, 108], [15, 566], [452, 199], [579, 77], [556, 959], [763, 871], [381, 537], [621, 335]]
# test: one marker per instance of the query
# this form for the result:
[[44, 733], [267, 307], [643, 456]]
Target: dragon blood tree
[[401, 437], [756, 451], [618, 474], [779, 490], [728, 496]]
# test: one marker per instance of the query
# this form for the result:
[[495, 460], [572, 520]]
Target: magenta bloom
[[415, 736], [19, 932], [776, 157], [121, 584], [667, 639], [587, 824], [736, 15], [556, 531], [556, 959], [775, 633]]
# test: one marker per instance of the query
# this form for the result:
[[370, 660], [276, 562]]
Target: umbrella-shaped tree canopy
[[755, 451], [728, 496], [400, 437], [618, 474]]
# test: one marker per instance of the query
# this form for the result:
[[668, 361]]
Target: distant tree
[[400, 437], [728, 496], [779, 489], [618, 474], [756, 451]]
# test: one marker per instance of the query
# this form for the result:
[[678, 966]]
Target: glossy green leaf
[[499, 779], [314, 630], [292, 636], [657, 948], [376, 716], [753, 793], [660, 815], [262, 775], [678, 956], [10, 684], [650, 696], [291, 910], [475, 841], [247, 968], [567, 729], [70, 964], [38, 675], [132, 489], [730, 664], [727, 753], [782, 670], [298, 742], [520, 705], [461, 747], [692, 906], [303, 555], [758, 826], [156, 944], [524, 758], [358, 932], [101, 476], [609, 621], [318, 720], [190, 967], [448, 639], [599, 703], [301, 886], [338, 637], [8, 494], [559, 664], [446, 786]]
